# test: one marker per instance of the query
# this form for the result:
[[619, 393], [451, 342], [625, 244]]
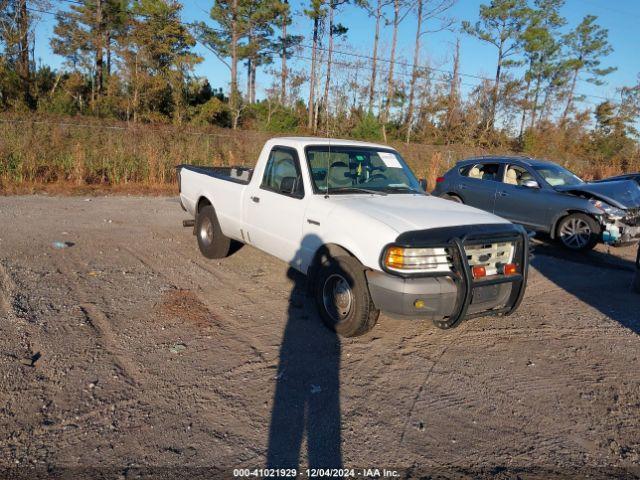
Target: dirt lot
[[130, 354]]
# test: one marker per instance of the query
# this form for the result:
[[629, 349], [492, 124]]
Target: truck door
[[274, 207]]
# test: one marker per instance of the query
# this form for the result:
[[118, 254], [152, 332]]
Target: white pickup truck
[[353, 217]]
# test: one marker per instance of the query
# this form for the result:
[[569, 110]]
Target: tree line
[[135, 60]]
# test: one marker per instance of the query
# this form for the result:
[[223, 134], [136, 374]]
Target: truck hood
[[414, 212], [620, 194]]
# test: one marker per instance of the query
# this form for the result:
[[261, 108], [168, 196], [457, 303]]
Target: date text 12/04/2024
[[315, 473]]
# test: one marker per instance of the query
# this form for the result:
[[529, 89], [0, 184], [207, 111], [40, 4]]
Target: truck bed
[[236, 174]]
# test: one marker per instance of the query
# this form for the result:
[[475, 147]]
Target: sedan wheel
[[578, 232]]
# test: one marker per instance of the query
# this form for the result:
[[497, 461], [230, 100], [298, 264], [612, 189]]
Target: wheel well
[[330, 249], [565, 214], [326, 250], [202, 202], [453, 194]]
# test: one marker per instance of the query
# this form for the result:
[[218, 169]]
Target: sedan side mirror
[[423, 184], [530, 184]]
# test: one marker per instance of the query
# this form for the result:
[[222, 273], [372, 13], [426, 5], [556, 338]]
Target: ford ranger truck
[[353, 217]]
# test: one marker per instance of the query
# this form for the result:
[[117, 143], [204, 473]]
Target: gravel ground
[[127, 354]]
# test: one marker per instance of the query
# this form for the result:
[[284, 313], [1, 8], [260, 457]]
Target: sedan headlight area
[[417, 260], [612, 212]]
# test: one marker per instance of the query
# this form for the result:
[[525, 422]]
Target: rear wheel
[[578, 232], [342, 297], [211, 240], [453, 197]]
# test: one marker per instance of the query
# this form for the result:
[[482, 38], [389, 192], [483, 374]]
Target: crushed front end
[[621, 227], [451, 274]]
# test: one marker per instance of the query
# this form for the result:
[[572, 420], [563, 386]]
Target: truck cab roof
[[305, 141]]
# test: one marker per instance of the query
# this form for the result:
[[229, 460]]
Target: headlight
[[417, 260], [613, 212]]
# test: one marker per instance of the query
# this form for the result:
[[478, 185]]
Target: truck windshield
[[365, 170]]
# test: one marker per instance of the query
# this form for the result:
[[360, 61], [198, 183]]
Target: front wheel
[[342, 297], [578, 232]]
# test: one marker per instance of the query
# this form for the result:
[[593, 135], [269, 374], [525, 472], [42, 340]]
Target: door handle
[[503, 194], [462, 186], [255, 199]]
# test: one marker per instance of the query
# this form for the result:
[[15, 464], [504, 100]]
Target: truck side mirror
[[423, 184]]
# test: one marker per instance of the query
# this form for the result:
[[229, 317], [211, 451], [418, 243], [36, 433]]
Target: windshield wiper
[[392, 188], [355, 189]]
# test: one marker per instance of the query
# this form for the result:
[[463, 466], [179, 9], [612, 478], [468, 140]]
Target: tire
[[578, 232], [452, 197], [353, 313], [211, 240]]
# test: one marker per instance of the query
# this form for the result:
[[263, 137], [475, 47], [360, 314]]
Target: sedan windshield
[[557, 176], [365, 170]]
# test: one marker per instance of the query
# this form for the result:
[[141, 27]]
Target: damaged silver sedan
[[546, 197]]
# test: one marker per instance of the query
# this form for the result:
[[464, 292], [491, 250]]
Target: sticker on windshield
[[389, 159]]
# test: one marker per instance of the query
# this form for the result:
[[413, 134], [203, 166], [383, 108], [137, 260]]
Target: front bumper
[[448, 298], [622, 231], [622, 235]]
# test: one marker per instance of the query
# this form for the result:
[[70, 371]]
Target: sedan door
[[477, 184], [520, 201]]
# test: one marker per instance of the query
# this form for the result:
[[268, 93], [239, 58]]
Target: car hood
[[405, 213], [621, 193]]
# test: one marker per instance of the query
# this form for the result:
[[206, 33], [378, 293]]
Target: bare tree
[[335, 30], [392, 60], [378, 14], [423, 16], [317, 13], [453, 101]]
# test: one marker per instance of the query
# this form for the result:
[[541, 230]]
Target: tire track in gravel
[[96, 318], [6, 289], [227, 284]]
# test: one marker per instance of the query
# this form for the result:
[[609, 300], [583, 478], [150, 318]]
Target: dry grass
[[63, 155], [80, 155]]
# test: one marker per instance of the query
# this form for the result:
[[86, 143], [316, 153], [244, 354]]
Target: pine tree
[[159, 58], [285, 44], [501, 23], [16, 35], [586, 45], [542, 49], [83, 36], [243, 30], [258, 49]]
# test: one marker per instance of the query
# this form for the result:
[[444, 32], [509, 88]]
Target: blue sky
[[620, 17]]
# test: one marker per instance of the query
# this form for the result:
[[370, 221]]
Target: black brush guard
[[455, 239]]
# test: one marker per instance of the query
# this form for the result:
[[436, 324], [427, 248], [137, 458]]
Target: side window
[[516, 175], [482, 171], [282, 173]]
